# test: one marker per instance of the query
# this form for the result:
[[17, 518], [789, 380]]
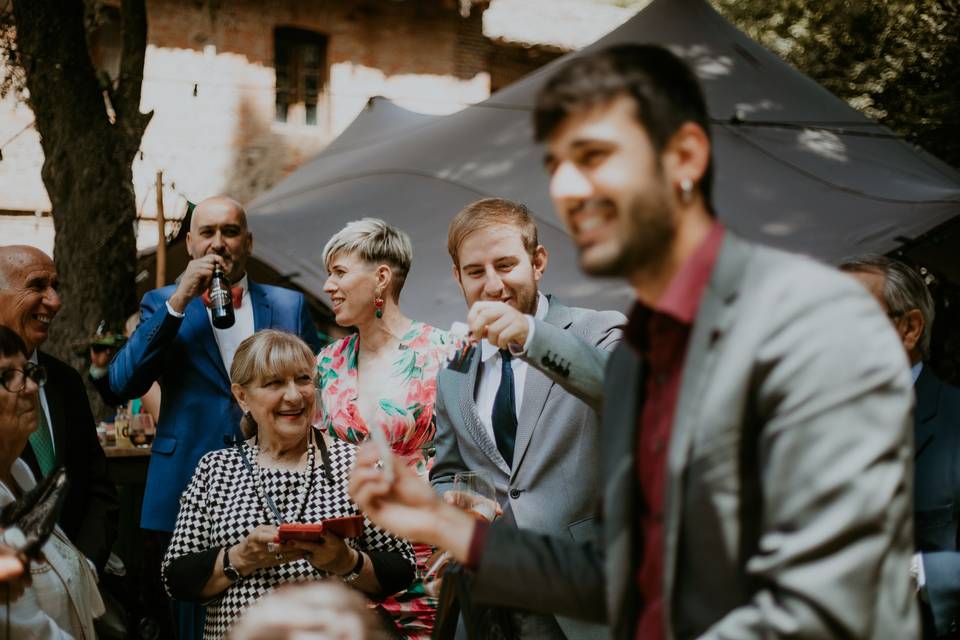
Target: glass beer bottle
[[221, 300]]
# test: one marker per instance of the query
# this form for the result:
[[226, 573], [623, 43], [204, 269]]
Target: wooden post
[[161, 235]]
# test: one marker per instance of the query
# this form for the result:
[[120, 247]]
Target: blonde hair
[[490, 212], [376, 242], [265, 354]]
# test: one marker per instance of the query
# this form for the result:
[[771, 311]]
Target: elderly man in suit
[[522, 407], [756, 450], [176, 345], [935, 571], [66, 434]]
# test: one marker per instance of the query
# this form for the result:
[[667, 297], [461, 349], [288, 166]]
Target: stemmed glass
[[142, 429], [475, 493]]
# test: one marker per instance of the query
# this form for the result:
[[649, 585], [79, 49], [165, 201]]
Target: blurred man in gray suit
[[520, 406], [756, 450]]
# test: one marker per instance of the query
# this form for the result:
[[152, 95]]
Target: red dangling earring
[[378, 303]]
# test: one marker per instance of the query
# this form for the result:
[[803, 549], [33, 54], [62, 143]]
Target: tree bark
[[87, 167]]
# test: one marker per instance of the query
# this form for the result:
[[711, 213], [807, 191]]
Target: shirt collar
[[242, 283], [681, 298], [34, 358], [488, 351], [916, 370]]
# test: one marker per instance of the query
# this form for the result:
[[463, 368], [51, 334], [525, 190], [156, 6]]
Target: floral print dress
[[405, 413]]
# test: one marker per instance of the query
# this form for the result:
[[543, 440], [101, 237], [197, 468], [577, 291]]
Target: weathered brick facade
[[209, 77]]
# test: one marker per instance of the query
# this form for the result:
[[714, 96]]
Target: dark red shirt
[[660, 336]]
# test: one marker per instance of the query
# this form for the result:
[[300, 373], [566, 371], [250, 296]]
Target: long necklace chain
[[303, 490]]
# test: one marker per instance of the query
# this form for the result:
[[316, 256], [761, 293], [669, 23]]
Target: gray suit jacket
[[789, 472], [554, 484]]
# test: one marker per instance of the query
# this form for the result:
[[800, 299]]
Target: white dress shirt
[[229, 339], [44, 407], [489, 373]]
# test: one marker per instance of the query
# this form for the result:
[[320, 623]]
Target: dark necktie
[[504, 417]]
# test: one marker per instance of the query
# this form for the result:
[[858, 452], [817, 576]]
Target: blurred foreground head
[[327, 610], [628, 154]]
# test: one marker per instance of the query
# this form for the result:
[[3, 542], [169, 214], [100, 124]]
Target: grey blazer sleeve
[[577, 363], [832, 417], [941, 569], [541, 573], [447, 460]]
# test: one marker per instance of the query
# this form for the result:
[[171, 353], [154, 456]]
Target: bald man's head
[[28, 293], [219, 225]]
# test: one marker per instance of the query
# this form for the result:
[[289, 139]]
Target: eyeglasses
[[14, 380]]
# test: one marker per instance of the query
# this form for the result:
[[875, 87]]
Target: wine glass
[[475, 493], [142, 429]]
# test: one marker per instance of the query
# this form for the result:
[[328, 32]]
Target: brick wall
[[209, 78]]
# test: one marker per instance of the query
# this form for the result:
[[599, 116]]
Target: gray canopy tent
[[796, 168]]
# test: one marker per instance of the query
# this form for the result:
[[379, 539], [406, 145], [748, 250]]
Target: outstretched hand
[[405, 507], [408, 506]]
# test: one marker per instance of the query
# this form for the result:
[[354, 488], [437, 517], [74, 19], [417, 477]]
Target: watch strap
[[357, 568], [228, 569]]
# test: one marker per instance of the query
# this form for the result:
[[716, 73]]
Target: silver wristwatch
[[228, 569]]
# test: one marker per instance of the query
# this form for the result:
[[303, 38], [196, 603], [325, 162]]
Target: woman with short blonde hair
[[384, 375]]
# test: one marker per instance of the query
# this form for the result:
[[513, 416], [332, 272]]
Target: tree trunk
[[87, 162]]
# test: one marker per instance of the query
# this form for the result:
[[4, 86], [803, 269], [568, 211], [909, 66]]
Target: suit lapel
[[624, 382], [262, 310], [536, 388], [468, 412], [715, 314], [927, 389], [196, 315]]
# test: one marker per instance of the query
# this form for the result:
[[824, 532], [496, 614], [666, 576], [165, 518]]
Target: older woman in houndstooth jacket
[[225, 550]]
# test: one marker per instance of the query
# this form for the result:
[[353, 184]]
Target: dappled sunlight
[[745, 109], [707, 63], [825, 144]]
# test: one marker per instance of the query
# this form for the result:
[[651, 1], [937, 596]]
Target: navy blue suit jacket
[[937, 502], [196, 408]]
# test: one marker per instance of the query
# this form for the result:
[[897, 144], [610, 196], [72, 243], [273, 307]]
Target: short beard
[[528, 305], [647, 239]]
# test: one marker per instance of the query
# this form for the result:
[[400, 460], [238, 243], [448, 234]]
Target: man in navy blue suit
[[936, 433], [176, 345]]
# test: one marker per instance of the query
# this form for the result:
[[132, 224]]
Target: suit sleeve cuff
[[175, 314], [477, 542], [521, 350]]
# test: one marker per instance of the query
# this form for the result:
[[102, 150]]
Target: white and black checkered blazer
[[220, 507]]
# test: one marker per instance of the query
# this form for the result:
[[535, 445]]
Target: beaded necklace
[[266, 500]]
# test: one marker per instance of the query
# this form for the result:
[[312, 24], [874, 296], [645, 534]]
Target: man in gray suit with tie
[[756, 452], [520, 406]]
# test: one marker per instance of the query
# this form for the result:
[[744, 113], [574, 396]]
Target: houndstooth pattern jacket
[[221, 506]]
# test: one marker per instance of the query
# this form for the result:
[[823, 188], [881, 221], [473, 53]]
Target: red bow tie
[[235, 292]]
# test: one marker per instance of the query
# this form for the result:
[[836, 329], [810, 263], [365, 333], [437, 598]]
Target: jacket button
[[514, 493]]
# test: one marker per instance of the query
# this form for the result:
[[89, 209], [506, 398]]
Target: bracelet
[[355, 572]]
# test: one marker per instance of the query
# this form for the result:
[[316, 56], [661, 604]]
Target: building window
[[300, 60]]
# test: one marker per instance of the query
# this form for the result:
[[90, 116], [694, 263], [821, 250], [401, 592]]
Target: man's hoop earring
[[686, 191]]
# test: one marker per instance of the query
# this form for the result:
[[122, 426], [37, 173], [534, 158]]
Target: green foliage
[[896, 61]]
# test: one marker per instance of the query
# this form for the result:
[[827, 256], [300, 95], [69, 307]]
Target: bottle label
[[219, 297]]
